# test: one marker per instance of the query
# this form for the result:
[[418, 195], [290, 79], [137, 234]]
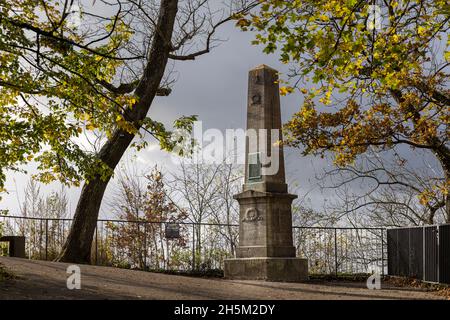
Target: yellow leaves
[[286, 90], [425, 129], [343, 158], [90, 126], [45, 177], [311, 27], [47, 135], [85, 116], [392, 80], [358, 63], [8, 97], [380, 43], [444, 188], [281, 19], [89, 122], [395, 38], [243, 23], [337, 8], [326, 98], [447, 55], [277, 143], [125, 125], [324, 18], [421, 31], [445, 118], [305, 119], [429, 195]]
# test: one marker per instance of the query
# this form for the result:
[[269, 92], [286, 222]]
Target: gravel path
[[47, 280]]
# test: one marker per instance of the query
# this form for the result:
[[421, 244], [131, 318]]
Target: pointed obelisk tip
[[263, 66]]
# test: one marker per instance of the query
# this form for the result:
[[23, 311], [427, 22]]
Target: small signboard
[[172, 230]]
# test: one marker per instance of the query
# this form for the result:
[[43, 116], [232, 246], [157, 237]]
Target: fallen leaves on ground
[[438, 289]]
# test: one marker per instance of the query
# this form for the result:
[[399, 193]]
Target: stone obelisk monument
[[265, 250]]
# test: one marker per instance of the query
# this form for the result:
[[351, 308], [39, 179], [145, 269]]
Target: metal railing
[[201, 246]]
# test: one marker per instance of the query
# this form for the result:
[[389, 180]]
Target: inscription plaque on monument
[[265, 249], [254, 166]]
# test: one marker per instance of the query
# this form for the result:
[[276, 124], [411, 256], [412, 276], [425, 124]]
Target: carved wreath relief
[[251, 215]]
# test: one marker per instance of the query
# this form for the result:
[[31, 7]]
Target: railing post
[[438, 278], [193, 246], [335, 252], [96, 244], [145, 245], [40, 239], [424, 252], [46, 239], [382, 252]]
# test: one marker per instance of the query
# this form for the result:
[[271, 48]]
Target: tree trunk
[[442, 152], [77, 247]]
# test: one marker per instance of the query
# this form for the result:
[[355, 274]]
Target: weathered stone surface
[[266, 249], [265, 228], [269, 269]]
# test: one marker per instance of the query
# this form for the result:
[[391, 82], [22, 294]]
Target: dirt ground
[[47, 280]]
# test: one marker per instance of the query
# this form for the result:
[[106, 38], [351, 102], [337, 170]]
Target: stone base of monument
[[267, 268]]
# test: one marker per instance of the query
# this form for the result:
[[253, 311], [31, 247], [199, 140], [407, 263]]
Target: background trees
[[205, 191], [377, 85], [198, 193], [144, 200], [43, 225], [386, 190]]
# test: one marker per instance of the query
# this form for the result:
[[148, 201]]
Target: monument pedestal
[[267, 268], [266, 250]]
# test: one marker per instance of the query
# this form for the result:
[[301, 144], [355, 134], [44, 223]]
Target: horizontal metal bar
[[123, 221], [188, 223], [412, 227], [341, 228]]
